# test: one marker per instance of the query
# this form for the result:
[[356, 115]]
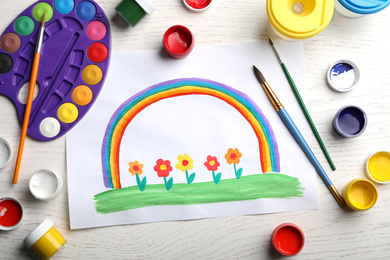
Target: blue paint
[[64, 6], [343, 76], [350, 121], [86, 10]]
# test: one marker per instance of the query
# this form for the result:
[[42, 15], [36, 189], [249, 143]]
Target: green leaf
[[142, 184], [239, 173], [217, 178], [169, 184], [191, 178]]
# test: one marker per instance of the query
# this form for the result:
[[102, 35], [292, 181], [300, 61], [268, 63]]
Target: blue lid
[[365, 6]]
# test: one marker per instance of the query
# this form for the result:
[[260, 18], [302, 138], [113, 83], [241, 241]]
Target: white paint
[[5, 152], [45, 184], [50, 127], [343, 81]]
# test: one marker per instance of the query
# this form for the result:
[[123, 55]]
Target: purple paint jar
[[350, 121]]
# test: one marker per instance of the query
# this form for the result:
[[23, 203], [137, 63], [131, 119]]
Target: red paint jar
[[178, 41], [11, 213], [197, 5], [288, 239]]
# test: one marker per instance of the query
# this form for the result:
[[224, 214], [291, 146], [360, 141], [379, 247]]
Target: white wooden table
[[331, 233]]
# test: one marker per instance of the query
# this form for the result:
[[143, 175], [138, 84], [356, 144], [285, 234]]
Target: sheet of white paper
[[198, 125]]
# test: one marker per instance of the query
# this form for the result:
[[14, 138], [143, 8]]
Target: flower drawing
[[136, 169], [184, 164], [163, 168], [233, 157], [212, 165]]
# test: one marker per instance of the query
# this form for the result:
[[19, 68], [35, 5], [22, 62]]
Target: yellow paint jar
[[360, 194], [378, 167], [299, 19], [45, 240]]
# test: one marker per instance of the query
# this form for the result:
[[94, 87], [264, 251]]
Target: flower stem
[[235, 169], [187, 176]]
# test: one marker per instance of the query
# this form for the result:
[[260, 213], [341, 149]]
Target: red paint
[[288, 239], [97, 52], [10, 213], [198, 4], [178, 41]]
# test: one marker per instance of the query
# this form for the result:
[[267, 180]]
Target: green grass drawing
[[267, 185]]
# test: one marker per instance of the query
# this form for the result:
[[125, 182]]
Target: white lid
[[5, 152], [37, 233], [343, 75], [148, 7]]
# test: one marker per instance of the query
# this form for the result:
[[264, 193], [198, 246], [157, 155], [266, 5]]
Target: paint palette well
[[74, 63]]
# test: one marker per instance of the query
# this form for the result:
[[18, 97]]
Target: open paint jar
[[197, 5], [350, 121], [132, 11], [343, 75], [378, 167], [178, 41], [299, 19], [45, 240], [360, 194], [359, 8], [288, 239], [11, 213], [45, 184], [5, 153]]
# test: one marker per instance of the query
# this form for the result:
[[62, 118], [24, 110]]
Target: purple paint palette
[[74, 63]]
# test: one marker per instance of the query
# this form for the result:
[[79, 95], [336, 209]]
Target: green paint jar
[[132, 11]]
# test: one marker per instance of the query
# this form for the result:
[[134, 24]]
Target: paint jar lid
[[45, 184], [197, 5], [38, 232], [378, 167], [5, 152], [300, 20], [350, 121], [364, 6], [343, 75], [360, 194], [11, 213], [288, 239]]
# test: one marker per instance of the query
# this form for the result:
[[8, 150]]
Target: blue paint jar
[[350, 121], [359, 8]]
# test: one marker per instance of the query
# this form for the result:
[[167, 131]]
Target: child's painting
[[158, 146]]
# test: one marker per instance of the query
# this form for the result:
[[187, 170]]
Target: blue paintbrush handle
[[305, 147]]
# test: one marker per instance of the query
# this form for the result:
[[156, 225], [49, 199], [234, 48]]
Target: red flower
[[212, 163], [163, 168]]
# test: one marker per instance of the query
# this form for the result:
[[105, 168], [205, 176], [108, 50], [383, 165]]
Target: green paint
[[258, 186], [24, 25], [131, 11]]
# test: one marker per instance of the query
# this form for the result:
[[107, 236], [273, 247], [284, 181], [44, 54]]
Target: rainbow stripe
[[269, 156]]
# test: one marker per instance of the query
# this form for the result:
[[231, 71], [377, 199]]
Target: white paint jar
[[45, 184]]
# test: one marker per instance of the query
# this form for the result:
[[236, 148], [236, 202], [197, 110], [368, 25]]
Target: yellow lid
[[300, 19]]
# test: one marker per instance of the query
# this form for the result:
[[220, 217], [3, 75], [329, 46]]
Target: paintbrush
[[297, 135], [33, 80], [303, 107]]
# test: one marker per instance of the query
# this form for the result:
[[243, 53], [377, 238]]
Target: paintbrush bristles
[[259, 75], [43, 20], [270, 41]]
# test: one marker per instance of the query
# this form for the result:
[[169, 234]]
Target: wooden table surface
[[331, 232]]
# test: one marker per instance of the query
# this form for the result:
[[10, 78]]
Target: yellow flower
[[185, 162], [233, 156], [135, 168]]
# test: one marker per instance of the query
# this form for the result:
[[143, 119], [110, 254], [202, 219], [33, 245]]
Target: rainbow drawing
[[269, 155]]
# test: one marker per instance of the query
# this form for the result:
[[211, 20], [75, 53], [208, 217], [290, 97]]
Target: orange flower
[[135, 168], [233, 156]]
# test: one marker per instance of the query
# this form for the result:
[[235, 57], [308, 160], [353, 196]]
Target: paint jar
[[299, 19], [343, 75], [5, 152], [378, 167], [178, 41], [197, 5], [359, 8], [360, 194], [288, 239], [45, 240], [132, 11], [11, 213], [45, 184], [350, 121]]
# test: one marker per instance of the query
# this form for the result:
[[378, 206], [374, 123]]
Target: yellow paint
[[300, 19], [360, 194], [82, 95], [92, 74], [378, 167], [68, 113], [49, 243]]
